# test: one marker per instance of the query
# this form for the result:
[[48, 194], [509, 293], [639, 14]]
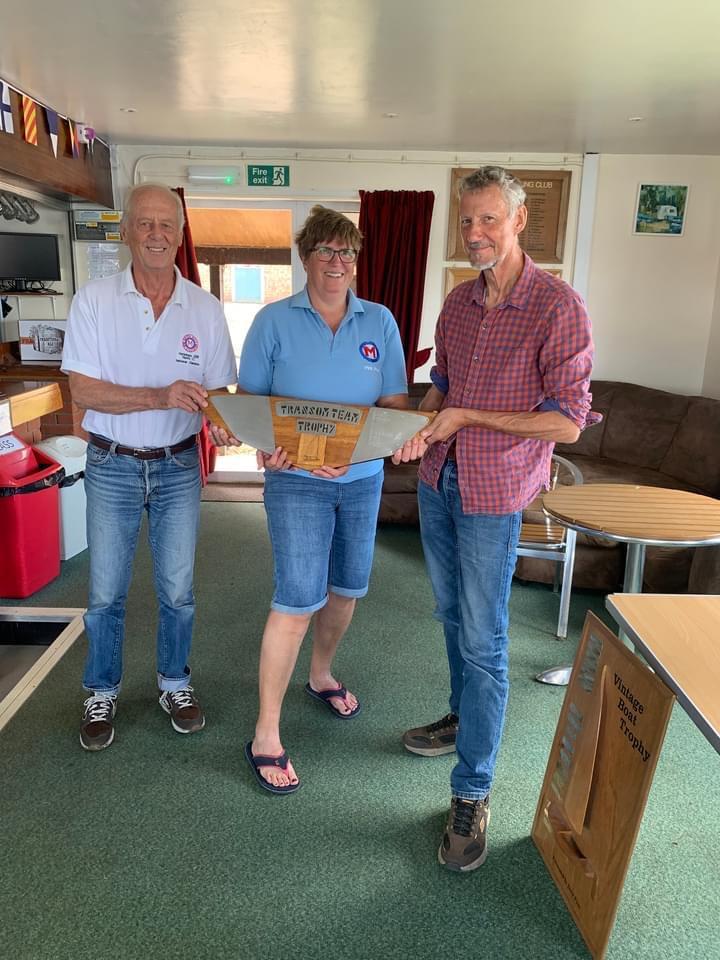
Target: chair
[[544, 540]]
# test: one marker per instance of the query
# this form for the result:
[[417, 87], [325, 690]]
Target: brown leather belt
[[141, 453]]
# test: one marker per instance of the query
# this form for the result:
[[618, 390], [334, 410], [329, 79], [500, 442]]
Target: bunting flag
[[86, 135], [29, 110], [52, 122], [6, 117], [74, 145]]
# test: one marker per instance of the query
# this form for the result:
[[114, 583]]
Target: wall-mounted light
[[215, 175]]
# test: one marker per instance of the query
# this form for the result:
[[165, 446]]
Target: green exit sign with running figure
[[267, 175]]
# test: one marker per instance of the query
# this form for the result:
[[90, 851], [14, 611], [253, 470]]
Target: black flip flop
[[262, 761], [325, 696]]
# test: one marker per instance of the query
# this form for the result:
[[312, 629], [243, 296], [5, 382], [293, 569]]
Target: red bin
[[29, 518]]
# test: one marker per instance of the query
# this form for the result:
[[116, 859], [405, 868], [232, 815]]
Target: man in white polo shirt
[[142, 349]]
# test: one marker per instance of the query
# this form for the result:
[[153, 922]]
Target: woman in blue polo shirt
[[320, 344]]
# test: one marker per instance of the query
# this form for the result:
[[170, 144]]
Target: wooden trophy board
[[548, 196], [315, 433], [601, 765]]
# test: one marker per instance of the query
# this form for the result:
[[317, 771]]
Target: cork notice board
[[601, 765], [548, 194]]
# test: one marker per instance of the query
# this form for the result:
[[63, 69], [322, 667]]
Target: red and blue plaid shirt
[[533, 352]]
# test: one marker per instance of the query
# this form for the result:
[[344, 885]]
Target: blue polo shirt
[[291, 352]]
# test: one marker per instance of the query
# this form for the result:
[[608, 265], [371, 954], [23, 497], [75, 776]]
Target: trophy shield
[[315, 433]]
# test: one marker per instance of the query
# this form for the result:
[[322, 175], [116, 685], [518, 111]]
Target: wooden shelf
[[30, 371]]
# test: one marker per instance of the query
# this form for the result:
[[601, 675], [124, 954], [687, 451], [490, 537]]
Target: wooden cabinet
[[29, 399]]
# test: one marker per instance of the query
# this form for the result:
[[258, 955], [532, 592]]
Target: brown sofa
[[398, 503], [647, 437]]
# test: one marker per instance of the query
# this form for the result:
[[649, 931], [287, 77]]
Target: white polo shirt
[[112, 335]]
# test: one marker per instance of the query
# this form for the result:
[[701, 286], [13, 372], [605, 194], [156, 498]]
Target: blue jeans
[[323, 537], [119, 489], [471, 559]]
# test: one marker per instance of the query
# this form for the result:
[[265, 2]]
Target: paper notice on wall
[[103, 260]]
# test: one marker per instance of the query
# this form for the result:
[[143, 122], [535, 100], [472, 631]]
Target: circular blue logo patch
[[369, 351]]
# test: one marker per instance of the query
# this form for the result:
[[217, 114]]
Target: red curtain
[[186, 260], [187, 264], [391, 265]]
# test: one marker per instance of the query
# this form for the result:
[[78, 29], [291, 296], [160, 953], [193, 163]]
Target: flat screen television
[[28, 258]]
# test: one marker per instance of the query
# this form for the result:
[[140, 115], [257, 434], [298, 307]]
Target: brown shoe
[[464, 845], [97, 730], [186, 714], [434, 739]]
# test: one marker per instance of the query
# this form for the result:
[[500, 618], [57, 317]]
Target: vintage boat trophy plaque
[[598, 777], [314, 433]]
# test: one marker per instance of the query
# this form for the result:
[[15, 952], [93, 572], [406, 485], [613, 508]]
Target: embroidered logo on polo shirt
[[189, 352], [369, 351]]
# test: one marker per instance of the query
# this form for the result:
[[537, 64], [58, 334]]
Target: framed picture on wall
[[660, 210], [456, 275], [548, 196]]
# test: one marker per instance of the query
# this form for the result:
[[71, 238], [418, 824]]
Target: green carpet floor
[[164, 846]]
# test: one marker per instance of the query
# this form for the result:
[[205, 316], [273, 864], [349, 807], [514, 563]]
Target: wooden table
[[638, 516], [679, 636]]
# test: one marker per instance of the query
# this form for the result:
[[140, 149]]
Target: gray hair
[[490, 176], [163, 188]]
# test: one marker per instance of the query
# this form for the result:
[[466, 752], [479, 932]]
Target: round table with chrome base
[[638, 516]]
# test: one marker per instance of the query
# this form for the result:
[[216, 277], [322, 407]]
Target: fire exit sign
[[267, 175]]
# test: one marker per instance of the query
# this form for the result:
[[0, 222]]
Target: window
[[247, 284]]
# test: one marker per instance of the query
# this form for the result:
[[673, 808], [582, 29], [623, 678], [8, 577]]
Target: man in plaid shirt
[[513, 355]]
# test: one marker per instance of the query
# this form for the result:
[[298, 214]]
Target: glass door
[[247, 258], [244, 260]]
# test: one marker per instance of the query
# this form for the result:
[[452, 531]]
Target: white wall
[[711, 384], [338, 175], [652, 298], [654, 301]]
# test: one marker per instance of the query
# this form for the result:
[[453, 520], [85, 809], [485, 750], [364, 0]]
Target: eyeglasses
[[327, 254]]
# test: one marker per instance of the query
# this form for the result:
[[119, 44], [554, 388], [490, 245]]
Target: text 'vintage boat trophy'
[[312, 432], [598, 777]]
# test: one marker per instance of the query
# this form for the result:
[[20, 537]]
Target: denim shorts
[[322, 535]]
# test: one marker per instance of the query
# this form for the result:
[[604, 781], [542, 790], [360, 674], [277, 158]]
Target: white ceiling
[[466, 75]]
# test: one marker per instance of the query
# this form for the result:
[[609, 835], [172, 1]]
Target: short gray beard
[[485, 266]]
